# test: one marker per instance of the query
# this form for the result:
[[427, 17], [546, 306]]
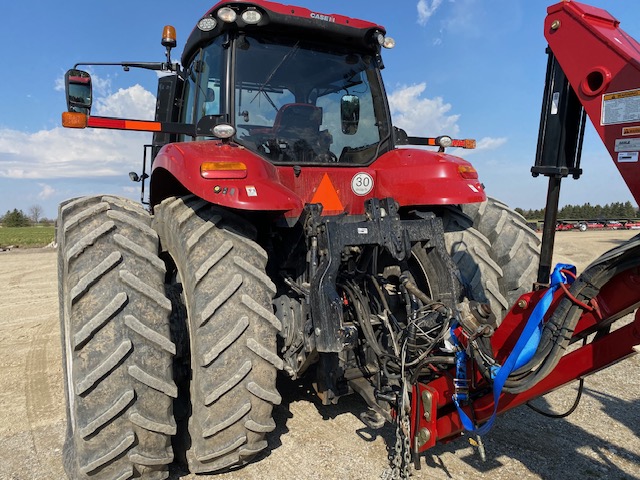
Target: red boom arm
[[602, 64]]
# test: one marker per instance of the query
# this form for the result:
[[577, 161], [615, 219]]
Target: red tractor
[[290, 228]]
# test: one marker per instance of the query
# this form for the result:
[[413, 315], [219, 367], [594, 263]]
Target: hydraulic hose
[[559, 330]]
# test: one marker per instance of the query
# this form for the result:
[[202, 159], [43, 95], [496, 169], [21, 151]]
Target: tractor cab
[[270, 106], [314, 97]]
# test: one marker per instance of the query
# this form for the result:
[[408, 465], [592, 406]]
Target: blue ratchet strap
[[523, 351]]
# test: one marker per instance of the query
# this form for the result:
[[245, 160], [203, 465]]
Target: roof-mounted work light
[[227, 15], [251, 16], [207, 24]]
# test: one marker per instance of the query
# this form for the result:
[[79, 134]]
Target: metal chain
[[400, 456], [406, 472], [393, 472]]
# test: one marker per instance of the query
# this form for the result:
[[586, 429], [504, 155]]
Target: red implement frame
[[602, 64], [436, 413]]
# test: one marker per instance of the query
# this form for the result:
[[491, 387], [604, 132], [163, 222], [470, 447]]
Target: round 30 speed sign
[[362, 183]]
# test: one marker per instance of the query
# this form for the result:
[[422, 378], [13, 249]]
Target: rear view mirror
[[78, 90], [350, 114]]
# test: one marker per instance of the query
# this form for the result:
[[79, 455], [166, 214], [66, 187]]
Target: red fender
[[410, 176], [255, 188]]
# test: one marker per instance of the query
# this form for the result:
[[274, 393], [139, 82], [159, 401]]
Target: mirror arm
[[159, 66]]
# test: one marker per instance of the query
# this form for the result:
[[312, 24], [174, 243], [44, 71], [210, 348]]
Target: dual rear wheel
[[118, 341], [118, 338], [232, 332], [116, 345]]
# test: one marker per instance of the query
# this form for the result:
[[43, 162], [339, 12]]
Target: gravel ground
[[600, 440]]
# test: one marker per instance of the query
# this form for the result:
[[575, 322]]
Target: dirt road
[[600, 440]]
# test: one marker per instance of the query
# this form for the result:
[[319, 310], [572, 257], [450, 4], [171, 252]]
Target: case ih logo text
[[326, 18]]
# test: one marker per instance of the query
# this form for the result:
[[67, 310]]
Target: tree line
[[610, 211], [17, 218]]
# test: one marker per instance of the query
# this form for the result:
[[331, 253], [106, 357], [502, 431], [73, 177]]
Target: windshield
[[299, 103]]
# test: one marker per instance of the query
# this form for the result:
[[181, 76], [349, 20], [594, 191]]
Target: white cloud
[[101, 86], [464, 17], [490, 143], [134, 102], [430, 117], [418, 116], [47, 191], [68, 153], [62, 153], [426, 9], [59, 84]]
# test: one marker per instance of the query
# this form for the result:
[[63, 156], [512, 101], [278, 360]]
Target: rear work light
[[207, 24], [223, 170], [383, 41], [251, 16], [444, 141], [227, 15], [223, 131]]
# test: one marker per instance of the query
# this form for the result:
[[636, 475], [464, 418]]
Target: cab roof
[[288, 20]]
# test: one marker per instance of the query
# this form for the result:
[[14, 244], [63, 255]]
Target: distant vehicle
[[632, 225], [585, 225], [614, 225], [563, 226]]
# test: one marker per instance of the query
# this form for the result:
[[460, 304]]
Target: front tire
[[232, 330], [116, 345]]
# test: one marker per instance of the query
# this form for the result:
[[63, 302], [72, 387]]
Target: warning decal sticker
[[621, 107], [628, 145], [626, 131], [627, 157]]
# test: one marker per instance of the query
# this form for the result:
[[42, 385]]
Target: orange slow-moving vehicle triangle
[[326, 195]]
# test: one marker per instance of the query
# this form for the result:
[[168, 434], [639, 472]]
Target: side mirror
[[350, 114], [78, 90]]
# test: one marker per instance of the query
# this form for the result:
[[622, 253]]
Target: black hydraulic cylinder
[[561, 126], [549, 230], [562, 123]]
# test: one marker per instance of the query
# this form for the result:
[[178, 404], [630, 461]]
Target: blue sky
[[468, 68]]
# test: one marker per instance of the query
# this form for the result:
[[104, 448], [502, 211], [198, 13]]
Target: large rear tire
[[232, 330], [514, 246], [116, 345], [471, 251], [495, 250]]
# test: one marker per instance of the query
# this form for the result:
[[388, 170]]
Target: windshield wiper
[[273, 72]]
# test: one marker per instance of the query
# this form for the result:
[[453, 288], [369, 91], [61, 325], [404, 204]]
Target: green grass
[[26, 237]]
